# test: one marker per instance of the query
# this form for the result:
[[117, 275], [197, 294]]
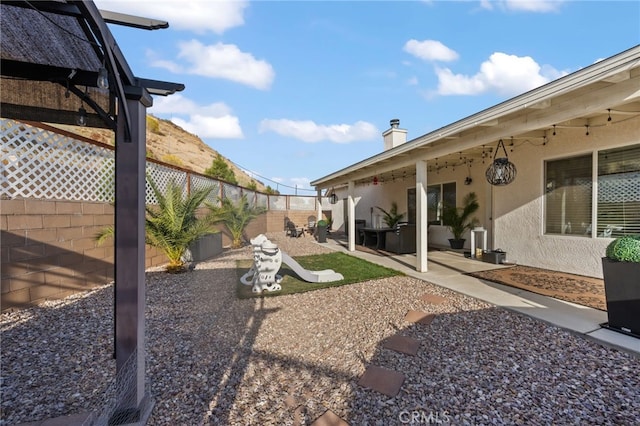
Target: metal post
[[130, 263]]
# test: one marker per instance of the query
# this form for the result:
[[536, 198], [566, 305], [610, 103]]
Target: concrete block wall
[[48, 248]]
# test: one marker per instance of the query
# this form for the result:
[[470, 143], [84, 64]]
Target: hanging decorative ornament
[[375, 180], [501, 171], [331, 195]]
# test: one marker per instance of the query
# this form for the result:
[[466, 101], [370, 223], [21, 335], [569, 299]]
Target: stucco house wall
[[519, 207]]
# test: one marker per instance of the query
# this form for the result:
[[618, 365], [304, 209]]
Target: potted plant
[[621, 269], [322, 231], [391, 217], [458, 219]]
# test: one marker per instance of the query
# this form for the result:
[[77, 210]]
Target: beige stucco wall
[[519, 207]]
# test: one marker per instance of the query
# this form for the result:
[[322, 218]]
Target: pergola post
[[421, 216], [351, 216], [130, 262]]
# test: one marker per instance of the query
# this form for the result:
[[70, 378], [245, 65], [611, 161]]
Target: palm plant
[[391, 217], [172, 225], [235, 217], [458, 219]]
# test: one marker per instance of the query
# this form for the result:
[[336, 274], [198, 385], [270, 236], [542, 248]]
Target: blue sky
[[294, 90]]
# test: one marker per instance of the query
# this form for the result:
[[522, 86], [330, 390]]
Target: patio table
[[377, 234]]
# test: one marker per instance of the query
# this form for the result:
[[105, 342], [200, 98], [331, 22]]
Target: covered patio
[[594, 108]]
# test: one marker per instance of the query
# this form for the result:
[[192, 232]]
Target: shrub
[[625, 249], [172, 159]]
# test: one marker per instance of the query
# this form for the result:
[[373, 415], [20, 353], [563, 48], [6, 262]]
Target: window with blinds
[[619, 191], [568, 186]]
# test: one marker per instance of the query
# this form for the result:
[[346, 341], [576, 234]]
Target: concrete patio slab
[[448, 269], [383, 380], [402, 344], [616, 339]]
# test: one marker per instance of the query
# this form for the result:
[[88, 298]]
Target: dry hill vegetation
[[171, 144]]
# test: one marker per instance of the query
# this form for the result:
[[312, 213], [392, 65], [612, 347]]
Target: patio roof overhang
[[585, 97]]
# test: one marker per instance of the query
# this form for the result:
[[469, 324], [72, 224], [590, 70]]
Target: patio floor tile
[[433, 298], [383, 380], [419, 317], [402, 344], [329, 418]]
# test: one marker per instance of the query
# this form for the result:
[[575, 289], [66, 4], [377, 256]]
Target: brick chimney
[[394, 136]]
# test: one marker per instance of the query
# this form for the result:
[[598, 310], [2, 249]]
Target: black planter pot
[[457, 244], [321, 233], [622, 293]]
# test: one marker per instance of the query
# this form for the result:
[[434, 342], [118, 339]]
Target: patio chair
[[311, 225], [294, 231]]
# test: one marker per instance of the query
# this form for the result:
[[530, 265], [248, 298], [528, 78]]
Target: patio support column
[[421, 216], [318, 206], [129, 309], [351, 216]]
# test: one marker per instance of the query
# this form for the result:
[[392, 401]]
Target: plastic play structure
[[267, 259]]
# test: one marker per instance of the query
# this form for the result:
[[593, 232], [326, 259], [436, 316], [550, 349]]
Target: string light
[[103, 78]]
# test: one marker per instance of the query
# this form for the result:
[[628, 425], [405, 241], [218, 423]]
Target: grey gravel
[[213, 359]]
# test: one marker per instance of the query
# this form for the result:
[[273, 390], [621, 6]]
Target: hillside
[[171, 144]]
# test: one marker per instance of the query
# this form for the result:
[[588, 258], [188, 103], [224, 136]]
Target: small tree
[[220, 170], [235, 217], [271, 191], [172, 225]]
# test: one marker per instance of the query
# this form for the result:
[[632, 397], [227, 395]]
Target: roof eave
[[600, 71]]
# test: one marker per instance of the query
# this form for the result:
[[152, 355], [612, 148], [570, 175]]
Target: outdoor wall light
[[333, 198], [501, 171]]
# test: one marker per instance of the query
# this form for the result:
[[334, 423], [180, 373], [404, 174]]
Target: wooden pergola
[[59, 61]]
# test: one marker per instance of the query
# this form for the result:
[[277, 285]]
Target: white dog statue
[[267, 259]]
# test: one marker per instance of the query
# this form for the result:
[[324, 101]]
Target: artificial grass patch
[[353, 270]]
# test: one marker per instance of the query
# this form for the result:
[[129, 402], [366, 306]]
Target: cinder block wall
[[48, 248]]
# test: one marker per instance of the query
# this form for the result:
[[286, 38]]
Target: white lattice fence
[[42, 164], [38, 163], [162, 176], [200, 182]]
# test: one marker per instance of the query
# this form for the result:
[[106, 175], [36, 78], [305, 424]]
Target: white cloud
[[412, 81], [540, 6], [504, 74], [206, 121], [308, 131], [220, 60], [430, 50], [196, 16]]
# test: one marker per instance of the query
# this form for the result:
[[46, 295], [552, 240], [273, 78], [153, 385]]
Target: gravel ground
[[213, 359]]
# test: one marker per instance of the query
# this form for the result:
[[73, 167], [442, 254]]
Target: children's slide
[[325, 276]]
